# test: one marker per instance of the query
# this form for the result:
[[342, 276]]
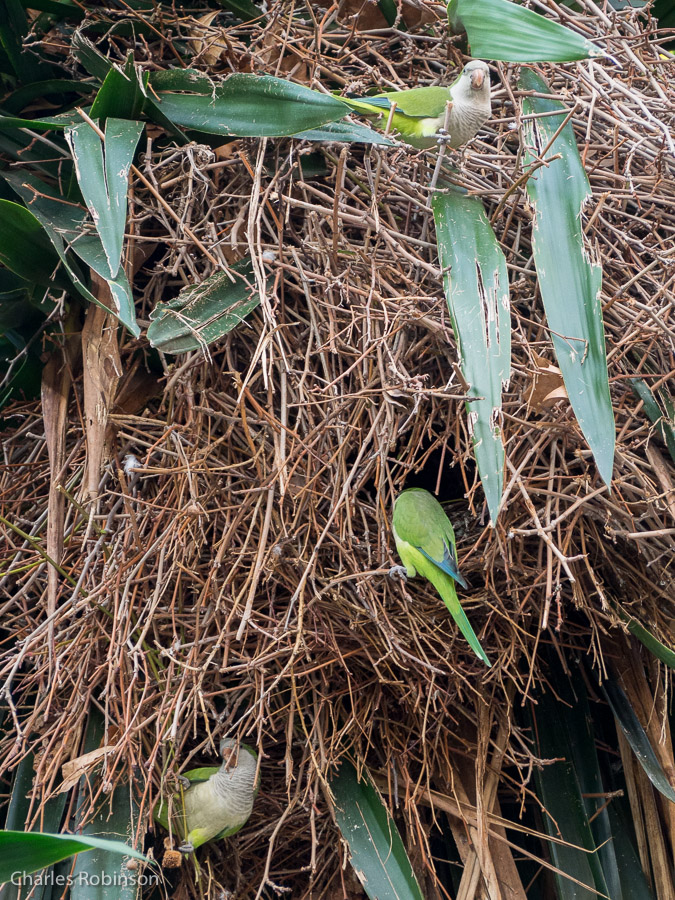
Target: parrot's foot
[[187, 847], [398, 572], [183, 782], [442, 137]]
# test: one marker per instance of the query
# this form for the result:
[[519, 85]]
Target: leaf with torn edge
[[477, 292]]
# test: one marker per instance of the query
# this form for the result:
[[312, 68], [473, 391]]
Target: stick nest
[[233, 580]]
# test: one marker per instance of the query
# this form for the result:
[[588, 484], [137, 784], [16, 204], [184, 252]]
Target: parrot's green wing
[[161, 812], [419, 103], [194, 776], [419, 520]]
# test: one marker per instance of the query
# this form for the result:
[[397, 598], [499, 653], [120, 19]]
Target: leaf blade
[[569, 281], [477, 294], [377, 852]]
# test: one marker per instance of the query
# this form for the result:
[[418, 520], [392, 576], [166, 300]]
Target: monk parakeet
[[217, 801], [425, 541], [420, 112]]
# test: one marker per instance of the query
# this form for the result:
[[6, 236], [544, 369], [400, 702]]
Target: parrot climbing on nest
[[425, 541], [419, 116], [216, 800]]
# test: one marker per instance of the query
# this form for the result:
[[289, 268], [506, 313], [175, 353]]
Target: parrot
[[216, 801], [419, 116], [425, 542]]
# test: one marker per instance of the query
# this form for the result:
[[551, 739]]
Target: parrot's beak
[[477, 79]]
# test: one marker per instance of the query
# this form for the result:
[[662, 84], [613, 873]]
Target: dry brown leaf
[[102, 372], [209, 44], [55, 391], [74, 769], [546, 386]]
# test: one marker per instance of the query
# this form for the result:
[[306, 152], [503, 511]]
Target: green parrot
[[425, 541], [216, 801], [420, 112]]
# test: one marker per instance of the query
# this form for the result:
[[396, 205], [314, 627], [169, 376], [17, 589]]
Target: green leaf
[[202, 313], [655, 647], [65, 221], [244, 10], [92, 59], [377, 852], [122, 94], [564, 813], [499, 29], [252, 106], [569, 281], [28, 851], [665, 420], [13, 28], [17, 817], [102, 874], [345, 132], [25, 248], [637, 738], [19, 99], [103, 173], [477, 292]]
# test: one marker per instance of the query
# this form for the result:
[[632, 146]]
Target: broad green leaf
[[244, 10], [637, 738], [499, 29], [19, 810], [634, 884], [64, 221], [376, 849], [344, 131], [477, 292], [61, 8], [252, 106], [28, 851], [92, 59], [103, 874], [655, 647], [664, 420], [19, 99], [204, 312], [122, 95], [569, 280], [47, 123], [25, 248], [13, 28], [103, 174], [563, 812]]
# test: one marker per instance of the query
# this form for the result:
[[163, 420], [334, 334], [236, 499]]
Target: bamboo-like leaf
[[664, 420], [103, 173], [653, 644], [637, 738], [244, 10], [28, 851], [477, 292], [570, 282], [347, 132], [499, 29], [377, 852], [252, 106], [103, 874], [564, 812], [64, 221], [202, 313], [24, 246], [122, 94], [17, 818]]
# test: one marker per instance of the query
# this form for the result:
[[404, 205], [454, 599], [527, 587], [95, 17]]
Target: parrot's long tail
[[447, 591], [374, 106]]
